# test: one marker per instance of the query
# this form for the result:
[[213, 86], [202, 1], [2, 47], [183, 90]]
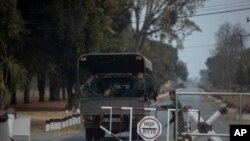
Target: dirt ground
[[38, 120], [41, 111], [235, 100]]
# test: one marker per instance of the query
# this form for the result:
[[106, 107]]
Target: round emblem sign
[[149, 128]]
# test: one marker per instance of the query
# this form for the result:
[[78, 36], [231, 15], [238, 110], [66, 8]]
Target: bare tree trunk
[[63, 91], [2, 103], [26, 97], [57, 93], [69, 94], [13, 100], [41, 87], [52, 90], [138, 43]]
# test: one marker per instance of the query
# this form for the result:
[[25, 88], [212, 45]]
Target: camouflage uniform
[[138, 87], [90, 89], [139, 84], [181, 122]]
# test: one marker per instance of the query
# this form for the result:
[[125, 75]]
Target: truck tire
[[98, 134], [88, 134], [135, 136], [102, 133]]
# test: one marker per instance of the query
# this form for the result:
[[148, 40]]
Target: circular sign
[[149, 128]]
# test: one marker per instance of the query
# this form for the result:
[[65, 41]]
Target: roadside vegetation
[[228, 68], [43, 39]]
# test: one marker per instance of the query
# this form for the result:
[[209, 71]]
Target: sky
[[199, 46]]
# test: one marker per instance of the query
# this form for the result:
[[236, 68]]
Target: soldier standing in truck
[[90, 88]]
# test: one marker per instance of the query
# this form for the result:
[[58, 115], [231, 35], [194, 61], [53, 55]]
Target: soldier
[[90, 88], [139, 82], [181, 123], [138, 85]]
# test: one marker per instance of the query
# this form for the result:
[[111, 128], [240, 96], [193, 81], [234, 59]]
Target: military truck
[[117, 72]]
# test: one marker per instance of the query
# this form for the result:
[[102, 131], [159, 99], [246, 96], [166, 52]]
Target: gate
[[217, 111], [130, 109], [207, 116]]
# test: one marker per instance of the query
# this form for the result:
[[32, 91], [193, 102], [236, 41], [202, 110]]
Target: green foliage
[[164, 59], [12, 72], [10, 21]]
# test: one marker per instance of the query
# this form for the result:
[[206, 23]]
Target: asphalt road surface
[[202, 103]]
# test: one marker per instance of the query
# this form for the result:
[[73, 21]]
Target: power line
[[205, 14], [220, 8], [224, 4], [200, 46], [215, 13], [207, 45]]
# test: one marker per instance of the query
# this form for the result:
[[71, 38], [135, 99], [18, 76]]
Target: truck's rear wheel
[[89, 134], [135, 136], [98, 134]]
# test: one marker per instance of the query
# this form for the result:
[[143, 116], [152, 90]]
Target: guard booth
[[115, 72]]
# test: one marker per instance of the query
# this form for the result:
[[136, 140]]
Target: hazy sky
[[199, 45]]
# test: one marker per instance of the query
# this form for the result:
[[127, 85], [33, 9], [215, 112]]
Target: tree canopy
[[45, 37], [228, 64]]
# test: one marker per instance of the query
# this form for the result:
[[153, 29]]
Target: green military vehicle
[[114, 84]]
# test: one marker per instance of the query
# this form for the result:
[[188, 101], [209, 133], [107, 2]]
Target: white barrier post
[[11, 120], [63, 123], [55, 124], [22, 126], [51, 124], [73, 119], [66, 122], [70, 121], [78, 118], [78, 110], [60, 124], [47, 125], [4, 131]]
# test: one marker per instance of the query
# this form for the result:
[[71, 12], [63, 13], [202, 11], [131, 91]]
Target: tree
[[164, 59], [12, 73], [181, 70], [246, 67], [226, 65], [166, 18], [11, 70]]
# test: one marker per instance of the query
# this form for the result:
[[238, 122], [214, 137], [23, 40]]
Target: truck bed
[[91, 106]]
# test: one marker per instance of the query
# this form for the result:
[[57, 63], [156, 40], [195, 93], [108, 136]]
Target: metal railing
[[178, 94], [109, 131]]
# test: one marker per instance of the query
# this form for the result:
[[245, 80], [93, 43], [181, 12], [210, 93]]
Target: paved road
[[202, 103]]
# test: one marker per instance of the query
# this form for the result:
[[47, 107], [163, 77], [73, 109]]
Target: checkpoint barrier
[[109, 130], [11, 120], [22, 126], [12, 125], [4, 129], [205, 128], [186, 136]]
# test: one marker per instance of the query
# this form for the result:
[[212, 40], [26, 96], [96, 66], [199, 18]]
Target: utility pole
[[241, 68]]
